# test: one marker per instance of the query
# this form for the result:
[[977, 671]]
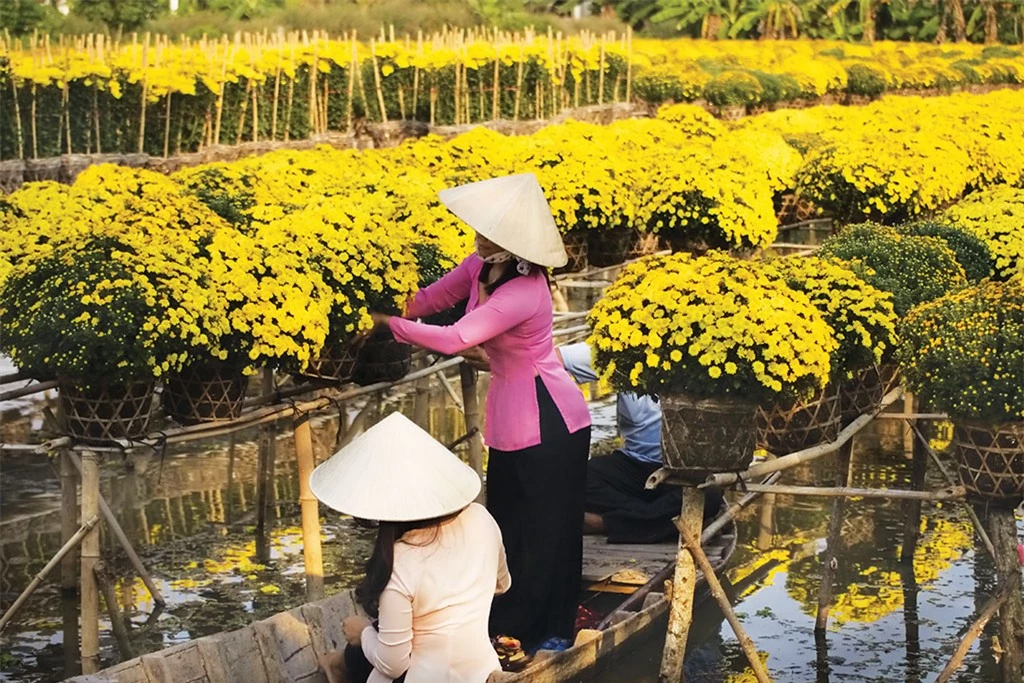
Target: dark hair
[[382, 561], [510, 273]]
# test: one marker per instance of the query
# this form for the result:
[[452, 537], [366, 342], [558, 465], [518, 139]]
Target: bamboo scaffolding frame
[[950, 493]]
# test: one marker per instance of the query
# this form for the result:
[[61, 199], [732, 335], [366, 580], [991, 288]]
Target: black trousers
[[359, 667], [633, 514], [536, 495]]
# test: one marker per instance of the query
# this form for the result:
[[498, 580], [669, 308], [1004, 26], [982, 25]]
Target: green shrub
[[660, 84], [777, 87], [963, 354], [865, 80], [966, 67], [914, 269], [972, 253], [999, 52], [734, 88]]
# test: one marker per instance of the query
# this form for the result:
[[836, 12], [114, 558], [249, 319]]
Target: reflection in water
[[191, 513]]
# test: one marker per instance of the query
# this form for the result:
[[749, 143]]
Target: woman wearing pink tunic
[[538, 426]]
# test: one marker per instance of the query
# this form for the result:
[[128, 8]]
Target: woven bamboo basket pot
[[106, 411], [792, 426], [681, 243], [703, 436], [644, 244], [575, 243], [382, 359], [864, 392], [609, 247], [334, 363], [205, 393], [991, 460]]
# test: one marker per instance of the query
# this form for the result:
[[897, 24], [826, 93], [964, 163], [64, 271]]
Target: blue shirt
[[639, 417]]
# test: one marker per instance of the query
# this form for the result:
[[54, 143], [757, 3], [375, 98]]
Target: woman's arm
[[512, 304], [504, 578], [446, 292], [389, 650]]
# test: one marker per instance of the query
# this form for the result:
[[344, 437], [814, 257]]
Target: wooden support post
[[766, 523], [471, 403], [1002, 529], [421, 404], [122, 538], [911, 621], [264, 480], [65, 550], [835, 528], [68, 520], [229, 513], [124, 643], [912, 508], [974, 631], [681, 609], [311, 553], [746, 644], [90, 598]]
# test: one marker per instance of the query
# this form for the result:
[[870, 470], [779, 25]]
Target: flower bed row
[[159, 97]]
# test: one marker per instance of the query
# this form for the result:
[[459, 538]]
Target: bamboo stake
[[255, 113], [311, 552], [496, 91], [979, 528], [350, 89], [264, 482], [90, 557], [377, 83], [66, 105], [471, 403], [990, 609], [314, 77], [685, 580], [167, 125], [600, 76], [519, 85], [17, 120], [277, 100], [35, 142], [122, 539], [362, 88], [746, 644], [124, 643], [223, 90], [68, 519], [804, 456], [243, 112], [912, 511], [142, 101], [68, 546], [291, 95]]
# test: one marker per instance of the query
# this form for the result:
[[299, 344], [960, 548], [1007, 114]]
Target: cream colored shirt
[[434, 611]]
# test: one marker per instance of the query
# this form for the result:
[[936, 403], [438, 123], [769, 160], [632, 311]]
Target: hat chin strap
[[523, 266]]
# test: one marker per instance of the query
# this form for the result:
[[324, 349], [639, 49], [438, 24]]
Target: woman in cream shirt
[[437, 563]]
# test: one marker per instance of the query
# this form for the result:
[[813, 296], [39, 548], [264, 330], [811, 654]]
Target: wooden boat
[[286, 646]]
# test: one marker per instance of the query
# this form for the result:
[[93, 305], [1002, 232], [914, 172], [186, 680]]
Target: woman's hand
[[380, 319], [477, 358], [353, 628]]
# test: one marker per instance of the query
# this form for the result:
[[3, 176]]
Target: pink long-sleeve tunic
[[514, 327]]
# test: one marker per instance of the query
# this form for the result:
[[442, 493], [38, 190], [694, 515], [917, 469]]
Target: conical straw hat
[[395, 472], [510, 211]]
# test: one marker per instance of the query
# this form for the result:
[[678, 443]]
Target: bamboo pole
[[350, 89], [167, 125], [804, 456], [124, 642], [600, 76], [291, 95], [264, 481], [255, 113], [377, 83], [471, 402], [496, 90], [912, 508], [746, 644], [229, 506], [68, 546], [142, 103], [1002, 526], [979, 528], [17, 119], [122, 538], [835, 530], [680, 613], [68, 519], [951, 493], [32, 121], [421, 404], [223, 89], [312, 556], [277, 100], [519, 84], [244, 111], [90, 557], [986, 614]]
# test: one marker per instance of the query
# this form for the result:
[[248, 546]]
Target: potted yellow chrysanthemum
[[962, 354], [713, 337]]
